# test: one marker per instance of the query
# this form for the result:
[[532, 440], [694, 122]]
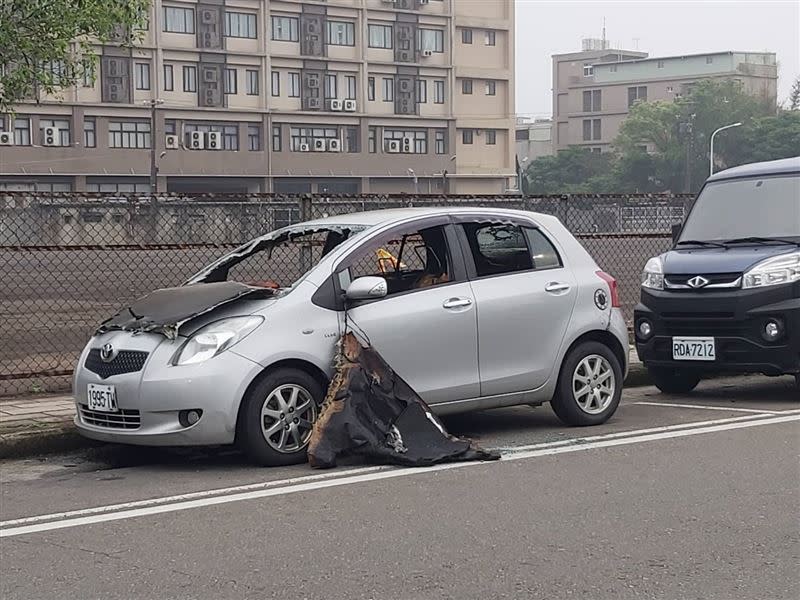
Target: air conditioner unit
[[208, 40], [334, 145], [319, 145], [312, 81], [214, 140], [6, 138], [350, 105], [51, 136], [335, 105], [404, 86], [405, 56], [210, 75], [196, 140], [424, 1], [172, 142], [207, 17], [388, 1], [311, 27], [305, 147], [426, 53], [393, 146], [408, 145], [314, 104]]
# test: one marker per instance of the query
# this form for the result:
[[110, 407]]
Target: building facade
[[337, 96], [594, 90], [534, 139]]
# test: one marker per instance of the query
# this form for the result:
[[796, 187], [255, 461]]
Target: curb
[[32, 442]]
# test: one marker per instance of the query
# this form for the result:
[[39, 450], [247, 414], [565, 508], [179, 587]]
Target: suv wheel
[[589, 385], [673, 381], [277, 417]]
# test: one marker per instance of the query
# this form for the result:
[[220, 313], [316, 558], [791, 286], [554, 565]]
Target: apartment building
[[534, 138], [593, 90], [314, 96]]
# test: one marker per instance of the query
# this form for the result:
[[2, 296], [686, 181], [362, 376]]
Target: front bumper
[[735, 320], [151, 399]]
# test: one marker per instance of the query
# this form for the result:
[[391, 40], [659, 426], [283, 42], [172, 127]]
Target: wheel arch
[[601, 336]]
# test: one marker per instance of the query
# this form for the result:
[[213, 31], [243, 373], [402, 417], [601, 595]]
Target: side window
[[498, 249], [408, 260], [544, 254]]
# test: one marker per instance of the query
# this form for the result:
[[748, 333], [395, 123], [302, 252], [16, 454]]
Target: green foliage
[[794, 96], [46, 45], [567, 172]]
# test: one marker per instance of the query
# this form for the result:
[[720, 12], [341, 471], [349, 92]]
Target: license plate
[[694, 348], [102, 398]]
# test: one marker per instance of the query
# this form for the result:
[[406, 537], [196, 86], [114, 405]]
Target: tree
[[46, 45], [794, 95], [568, 172], [764, 138]]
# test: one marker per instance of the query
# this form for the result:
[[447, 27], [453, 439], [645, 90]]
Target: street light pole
[[711, 149], [153, 156], [519, 174], [416, 181]]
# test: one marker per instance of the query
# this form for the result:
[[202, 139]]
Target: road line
[[706, 407], [380, 475]]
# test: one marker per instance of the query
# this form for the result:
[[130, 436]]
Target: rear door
[[525, 296]]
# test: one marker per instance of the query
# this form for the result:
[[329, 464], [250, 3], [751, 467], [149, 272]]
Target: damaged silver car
[[474, 308]]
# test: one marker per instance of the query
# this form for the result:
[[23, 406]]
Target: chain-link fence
[[68, 261]]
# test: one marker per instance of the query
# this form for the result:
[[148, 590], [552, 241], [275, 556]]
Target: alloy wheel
[[287, 417], [593, 384]]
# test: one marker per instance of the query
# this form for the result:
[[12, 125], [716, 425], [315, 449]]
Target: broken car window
[[498, 248]]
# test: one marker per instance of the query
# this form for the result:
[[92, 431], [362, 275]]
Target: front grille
[[126, 361], [703, 324], [124, 419], [716, 279]]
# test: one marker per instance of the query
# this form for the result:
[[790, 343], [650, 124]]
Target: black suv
[[726, 297]]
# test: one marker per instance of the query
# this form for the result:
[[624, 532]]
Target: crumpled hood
[[165, 310], [709, 261]]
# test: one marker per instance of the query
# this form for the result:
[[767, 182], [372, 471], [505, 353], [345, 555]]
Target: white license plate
[[694, 348], [102, 398]]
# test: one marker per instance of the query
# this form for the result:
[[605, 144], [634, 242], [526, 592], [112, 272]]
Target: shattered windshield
[[767, 207], [280, 259]]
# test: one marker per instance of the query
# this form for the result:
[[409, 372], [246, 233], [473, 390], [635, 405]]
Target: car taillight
[[612, 287]]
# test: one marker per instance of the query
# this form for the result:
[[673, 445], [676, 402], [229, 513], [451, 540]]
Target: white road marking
[[706, 407], [380, 475]]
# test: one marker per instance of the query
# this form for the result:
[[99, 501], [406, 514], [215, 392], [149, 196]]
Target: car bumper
[[736, 327], [151, 400]]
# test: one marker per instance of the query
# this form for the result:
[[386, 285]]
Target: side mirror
[[676, 231], [367, 288]]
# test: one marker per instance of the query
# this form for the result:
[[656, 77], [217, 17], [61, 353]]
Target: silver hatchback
[[474, 308]]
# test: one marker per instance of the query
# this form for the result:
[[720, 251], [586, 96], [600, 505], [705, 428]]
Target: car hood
[[166, 310], [709, 261]]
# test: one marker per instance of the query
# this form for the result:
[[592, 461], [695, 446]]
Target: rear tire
[[277, 415], [589, 385], [673, 381]]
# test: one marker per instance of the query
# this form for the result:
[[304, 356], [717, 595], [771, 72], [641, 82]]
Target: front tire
[[589, 385], [277, 417], [673, 381]]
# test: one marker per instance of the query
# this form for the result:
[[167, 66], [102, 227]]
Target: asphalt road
[[676, 497]]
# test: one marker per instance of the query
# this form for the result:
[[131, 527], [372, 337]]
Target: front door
[[426, 327]]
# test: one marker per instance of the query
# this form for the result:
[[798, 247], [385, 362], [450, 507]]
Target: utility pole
[[686, 129], [153, 104]]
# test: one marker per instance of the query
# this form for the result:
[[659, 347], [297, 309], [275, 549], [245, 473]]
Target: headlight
[[774, 271], [653, 276], [215, 338]]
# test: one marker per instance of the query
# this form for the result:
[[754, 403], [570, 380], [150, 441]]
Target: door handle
[[457, 303], [554, 287]]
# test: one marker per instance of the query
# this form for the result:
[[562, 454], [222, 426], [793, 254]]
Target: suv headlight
[[215, 338], [653, 275], [773, 271]]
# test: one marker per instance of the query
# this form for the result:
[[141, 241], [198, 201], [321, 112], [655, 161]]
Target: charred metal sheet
[[370, 411], [165, 310]]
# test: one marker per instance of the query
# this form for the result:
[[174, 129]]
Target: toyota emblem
[[107, 353], [698, 282]]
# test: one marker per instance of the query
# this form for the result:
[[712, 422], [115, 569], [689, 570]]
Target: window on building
[[438, 91], [422, 91], [660, 64], [491, 88], [431, 39], [254, 138], [709, 60], [129, 134], [466, 36], [277, 139], [178, 19], [380, 36], [170, 126], [596, 130], [613, 68], [294, 85], [111, 187], [372, 140], [466, 136], [637, 94], [63, 126], [350, 81], [440, 141], [341, 33], [371, 89], [56, 70], [89, 133], [306, 135], [466, 86], [596, 150], [252, 82], [230, 133], [22, 131], [88, 74], [240, 25], [231, 81], [522, 134], [285, 29], [351, 140], [592, 100], [331, 90], [491, 38], [588, 70], [169, 78], [669, 89], [189, 78], [388, 89], [142, 71], [419, 138], [276, 83], [491, 137]]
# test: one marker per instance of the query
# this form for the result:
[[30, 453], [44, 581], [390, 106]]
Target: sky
[[659, 27]]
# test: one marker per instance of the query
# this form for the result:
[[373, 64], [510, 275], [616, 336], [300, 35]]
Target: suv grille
[[126, 361], [124, 419], [717, 279]]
